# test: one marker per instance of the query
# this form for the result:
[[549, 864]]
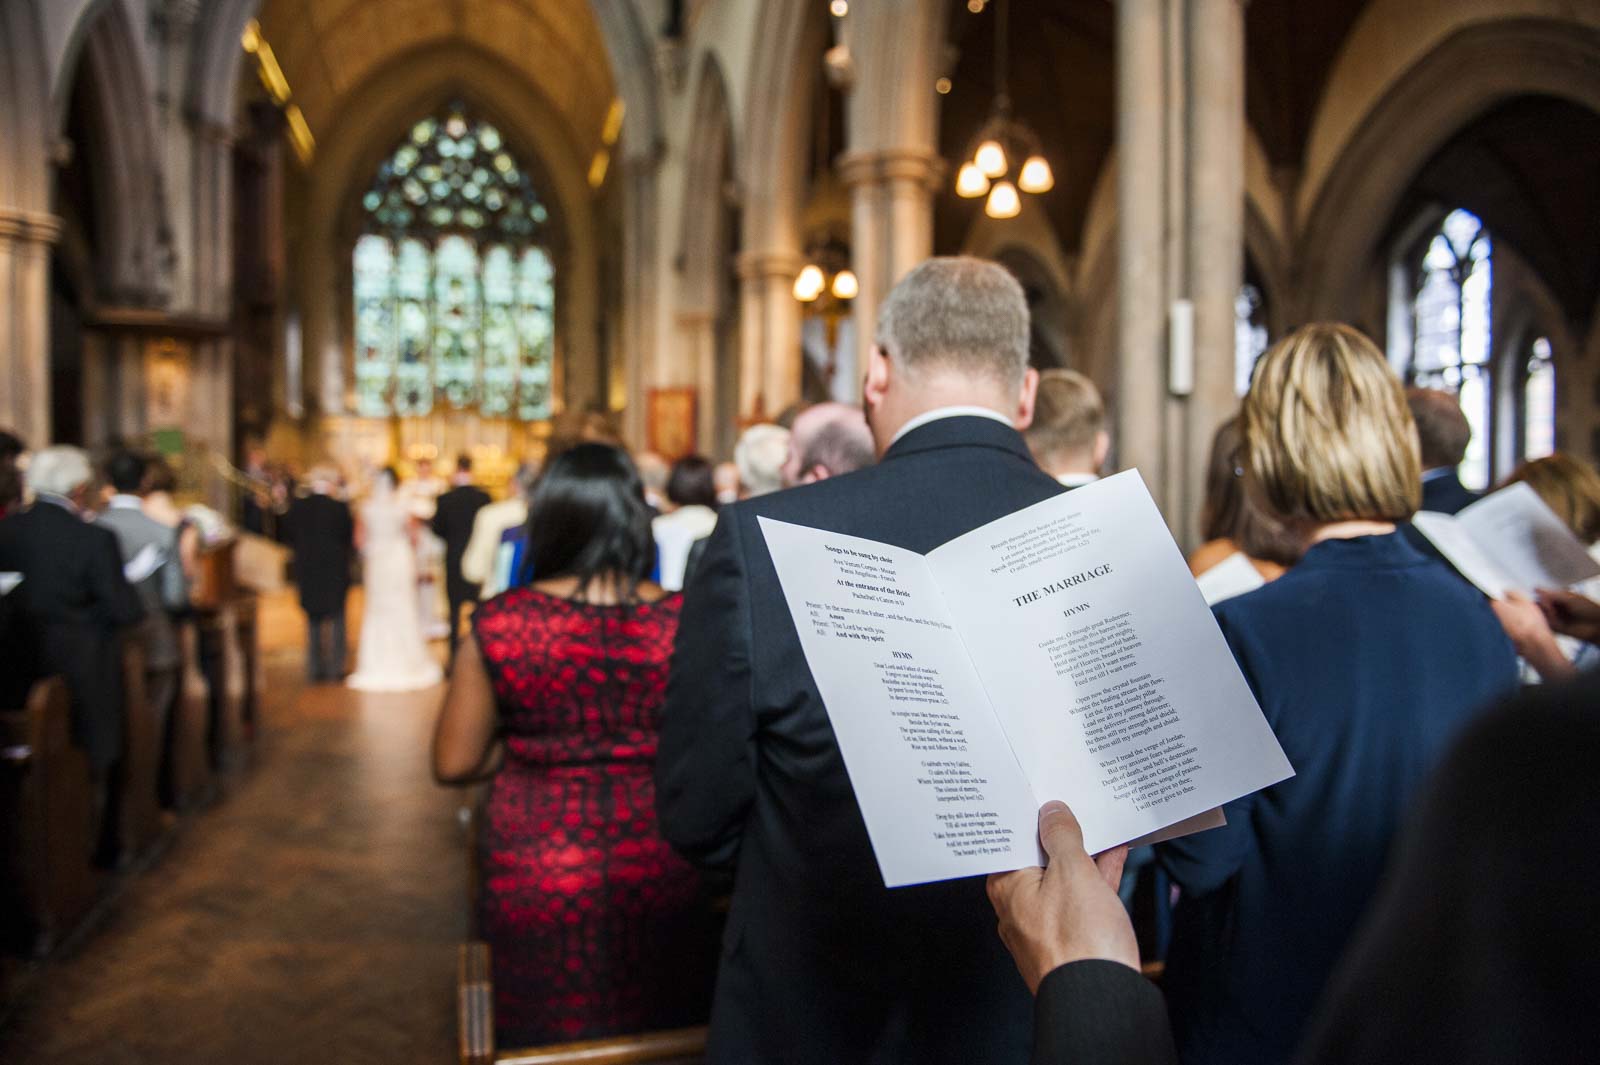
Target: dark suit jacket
[[1368, 659], [1446, 494], [1100, 1013], [452, 523], [322, 537], [72, 602], [822, 963]]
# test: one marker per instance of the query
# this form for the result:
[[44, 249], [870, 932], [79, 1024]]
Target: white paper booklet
[[1510, 541], [1062, 652], [1233, 576]]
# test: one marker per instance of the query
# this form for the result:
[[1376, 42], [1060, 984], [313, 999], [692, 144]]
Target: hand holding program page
[[1061, 652], [1509, 541]]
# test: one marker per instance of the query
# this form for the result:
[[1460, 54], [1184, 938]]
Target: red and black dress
[[595, 925]]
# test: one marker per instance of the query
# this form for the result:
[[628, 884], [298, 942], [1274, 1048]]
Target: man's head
[[1068, 434], [463, 468], [726, 478], [62, 471], [323, 479], [1442, 429], [653, 473], [953, 332], [760, 455], [692, 483], [11, 447], [827, 440], [126, 470]]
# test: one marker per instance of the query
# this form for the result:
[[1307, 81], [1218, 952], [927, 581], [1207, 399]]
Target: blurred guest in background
[[1368, 659], [726, 477], [1068, 436], [653, 473], [689, 517], [1570, 488], [11, 451], [595, 926], [452, 522], [74, 600], [828, 440], [490, 524], [1232, 522], [160, 482], [1443, 433], [322, 537], [760, 455]]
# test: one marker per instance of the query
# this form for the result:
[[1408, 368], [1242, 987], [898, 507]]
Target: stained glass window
[[1249, 335], [1451, 328], [1539, 402], [454, 290]]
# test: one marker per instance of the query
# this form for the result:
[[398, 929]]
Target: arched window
[[454, 288], [1450, 344], [1538, 401], [1250, 337]]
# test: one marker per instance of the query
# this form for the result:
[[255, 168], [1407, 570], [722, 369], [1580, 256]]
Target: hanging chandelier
[[992, 170]]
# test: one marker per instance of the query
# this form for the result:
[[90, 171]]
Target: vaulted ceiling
[[327, 48]]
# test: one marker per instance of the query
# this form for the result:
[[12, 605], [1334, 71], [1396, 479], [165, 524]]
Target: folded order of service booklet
[[1061, 652]]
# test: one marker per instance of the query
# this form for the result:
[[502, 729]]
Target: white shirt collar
[[1437, 472], [1076, 480], [940, 413], [125, 502]]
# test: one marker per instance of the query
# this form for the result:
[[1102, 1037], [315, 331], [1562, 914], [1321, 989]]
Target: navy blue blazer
[[1445, 494], [821, 963], [1368, 658]]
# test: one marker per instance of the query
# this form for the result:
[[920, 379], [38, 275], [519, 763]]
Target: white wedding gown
[[393, 656]]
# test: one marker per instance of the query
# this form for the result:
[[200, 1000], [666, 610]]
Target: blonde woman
[[1368, 659]]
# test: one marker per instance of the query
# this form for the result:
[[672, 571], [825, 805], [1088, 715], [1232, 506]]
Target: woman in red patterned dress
[[595, 926]]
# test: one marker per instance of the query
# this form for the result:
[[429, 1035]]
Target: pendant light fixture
[[1002, 142]]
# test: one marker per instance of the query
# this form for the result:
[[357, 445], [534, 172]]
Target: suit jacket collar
[[961, 431]]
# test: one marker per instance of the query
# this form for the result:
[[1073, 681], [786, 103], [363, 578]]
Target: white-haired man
[[821, 963], [760, 455], [74, 601]]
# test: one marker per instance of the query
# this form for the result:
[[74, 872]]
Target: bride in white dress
[[393, 655]]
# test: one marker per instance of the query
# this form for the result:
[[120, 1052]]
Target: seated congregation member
[[595, 926], [73, 601], [688, 514], [827, 440], [822, 963], [151, 562], [759, 456], [1443, 433], [1368, 659], [1232, 522], [1068, 436]]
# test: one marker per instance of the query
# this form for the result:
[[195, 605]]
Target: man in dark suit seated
[[72, 602], [452, 522], [1444, 433], [820, 962]]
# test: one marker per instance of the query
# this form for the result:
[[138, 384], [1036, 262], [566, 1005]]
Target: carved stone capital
[[29, 227]]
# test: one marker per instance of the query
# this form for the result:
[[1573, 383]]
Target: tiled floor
[[311, 916]]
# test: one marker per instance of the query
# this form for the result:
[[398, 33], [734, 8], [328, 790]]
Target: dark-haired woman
[[595, 926], [1231, 523], [689, 515]]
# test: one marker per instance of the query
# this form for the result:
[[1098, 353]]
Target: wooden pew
[[247, 615], [48, 809], [142, 823], [475, 1007], [190, 728]]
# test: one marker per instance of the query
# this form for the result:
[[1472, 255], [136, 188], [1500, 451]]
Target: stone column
[[1180, 189], [25, 240], [1141, 242], [769, 363], [1214, 228], [869, 244]]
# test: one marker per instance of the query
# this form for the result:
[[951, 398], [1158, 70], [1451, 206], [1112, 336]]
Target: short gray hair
[[59, 470], [760, 455], [962, 314]]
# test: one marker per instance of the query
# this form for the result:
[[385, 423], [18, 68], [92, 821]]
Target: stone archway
[[1417, 115]]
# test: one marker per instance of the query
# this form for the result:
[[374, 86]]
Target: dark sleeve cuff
[[1100, 1013]]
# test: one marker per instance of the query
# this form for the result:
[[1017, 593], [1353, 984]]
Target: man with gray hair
[[821, 963], [74, 601], [828, 440]]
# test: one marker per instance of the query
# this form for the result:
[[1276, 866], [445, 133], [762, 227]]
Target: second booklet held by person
[[1061, 652]]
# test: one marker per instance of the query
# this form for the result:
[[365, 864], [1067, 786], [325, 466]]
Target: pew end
[[475, 1003], [48, 812]]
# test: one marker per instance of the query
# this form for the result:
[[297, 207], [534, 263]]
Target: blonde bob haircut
[[1328, 435]]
